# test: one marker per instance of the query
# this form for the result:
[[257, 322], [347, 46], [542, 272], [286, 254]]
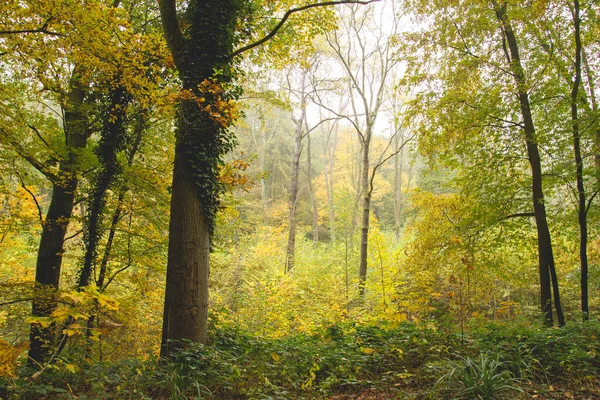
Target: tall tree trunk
[[140, 128], [186, 298], [300, 133], [311, 192], [592, 93], [50, 251], [366, 210], [582, 215], [547, 269], [200, 143], [398, 160], [329, 181], [112, 141], [293, 198]]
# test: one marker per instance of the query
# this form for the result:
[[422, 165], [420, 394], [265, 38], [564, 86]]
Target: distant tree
[[364, 51]]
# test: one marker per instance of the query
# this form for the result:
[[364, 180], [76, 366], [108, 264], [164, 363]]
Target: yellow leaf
[[72, 368], [367, 350], [400, 317]]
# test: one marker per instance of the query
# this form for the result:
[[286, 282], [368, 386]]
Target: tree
[[202, 139], [367, 67], [204, 59], [303, 131], [547, 268], [484, 73], [69, 59]]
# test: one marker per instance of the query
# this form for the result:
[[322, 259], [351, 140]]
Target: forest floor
[[344, 362]]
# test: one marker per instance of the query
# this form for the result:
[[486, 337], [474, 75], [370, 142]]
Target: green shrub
[[484, 378]]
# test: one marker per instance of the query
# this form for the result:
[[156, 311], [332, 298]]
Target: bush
[[485, 378]]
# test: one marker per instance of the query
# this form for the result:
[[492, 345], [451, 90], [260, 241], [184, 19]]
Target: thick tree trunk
[[186, 298], [200, 144], [50, 251], [545, 255]]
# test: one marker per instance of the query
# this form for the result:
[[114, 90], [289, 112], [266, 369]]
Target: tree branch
[[39, 135], [516, 215], [6, 303], [43, 29], [591, 200], [37, 204], [383, 161], [173, 35], [285, 17], [29, 158]]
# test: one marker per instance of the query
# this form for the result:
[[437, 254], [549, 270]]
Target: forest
[[299, 199]]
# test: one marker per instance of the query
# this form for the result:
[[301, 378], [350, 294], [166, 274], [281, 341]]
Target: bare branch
[[39, 208], [73, 235], [591, 200], [286, 16], [381, 162]]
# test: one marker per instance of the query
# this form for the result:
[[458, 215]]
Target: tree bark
[[186, 298], [200, 144], [545, 255], [50, 251]]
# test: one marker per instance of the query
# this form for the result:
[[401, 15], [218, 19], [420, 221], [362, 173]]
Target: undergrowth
[[401, 361]]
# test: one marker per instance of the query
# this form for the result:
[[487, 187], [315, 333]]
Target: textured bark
[[50, 251], [545, 255], [200, 144], [186, 298]]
